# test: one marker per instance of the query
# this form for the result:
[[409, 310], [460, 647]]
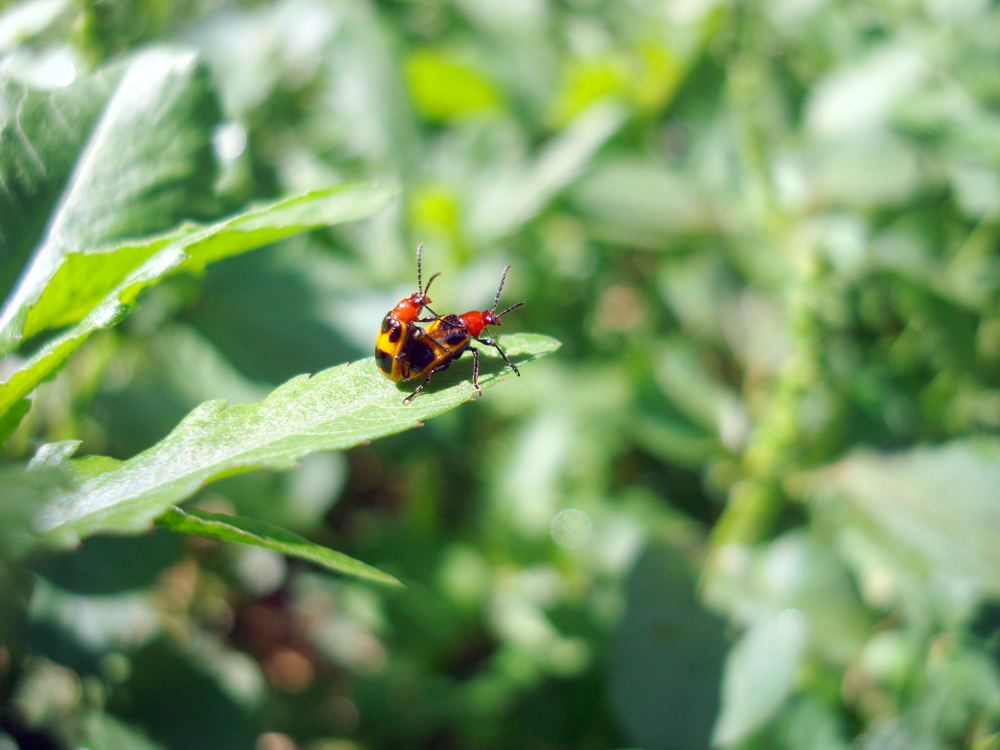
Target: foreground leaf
[[335, 409], [23, 493], [140, 167], [260, 534], [188, 249], [36, 158]]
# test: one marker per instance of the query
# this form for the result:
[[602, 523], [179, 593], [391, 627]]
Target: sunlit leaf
[[260, 534], [140, 167], [36, 160], [188, 249], [334, 409], [24, 20]]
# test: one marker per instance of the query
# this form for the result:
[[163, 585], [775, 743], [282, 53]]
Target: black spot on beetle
[[384, 361]]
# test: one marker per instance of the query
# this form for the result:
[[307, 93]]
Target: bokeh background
[[753, 501]]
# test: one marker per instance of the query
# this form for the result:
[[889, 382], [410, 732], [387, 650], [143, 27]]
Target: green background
[[766, 235]]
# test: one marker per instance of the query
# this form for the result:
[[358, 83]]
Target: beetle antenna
[[424, 292], [503, 276], [419, 282], [512, 307]]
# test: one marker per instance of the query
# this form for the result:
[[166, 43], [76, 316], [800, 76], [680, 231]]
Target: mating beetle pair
[[405, 351]]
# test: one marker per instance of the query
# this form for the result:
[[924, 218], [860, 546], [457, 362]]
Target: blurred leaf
[[635, 200], [10, 419], [646, 75], [659, 71], [139, 168], [668, 656], [23, 494], [813, 724], [103, 732], [182, 701], [94, 567], [443, 88], [271, 317], [187, 249], [964, 684], [586, 82], [23, 20], [519, 194], [760, 672], [15, 592], [699, 393], [941, 504], [674, 441], [121, 621], [796, 572], [335, 409], [867, 171], [260, 534], [910, 732], [201, 371], [859, 97]]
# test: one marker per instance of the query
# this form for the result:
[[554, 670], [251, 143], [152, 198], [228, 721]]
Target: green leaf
[[12, 418], [335, 409], [260, 534], [443, 88], [939, 507], [759, 675], [23, 494], [26, 20], [104, 732], [637, 201], [521, 191], [36, 159], [140, 167], [187, 249], [666, 665], [699, 393]]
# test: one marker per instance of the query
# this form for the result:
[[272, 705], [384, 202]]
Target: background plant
[[766, 235]]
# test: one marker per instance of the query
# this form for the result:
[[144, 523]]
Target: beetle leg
[[495, 345], [475, 371], [420, 387]]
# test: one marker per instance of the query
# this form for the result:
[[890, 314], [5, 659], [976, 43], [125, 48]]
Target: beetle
[[399, 329], [448, 337]]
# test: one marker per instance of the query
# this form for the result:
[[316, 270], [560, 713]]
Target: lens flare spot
[[571, 528]]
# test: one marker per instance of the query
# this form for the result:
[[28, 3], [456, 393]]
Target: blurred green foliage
[[767, 236]]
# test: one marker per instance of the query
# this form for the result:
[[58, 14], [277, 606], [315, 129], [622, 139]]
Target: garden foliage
[[766, 236]]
